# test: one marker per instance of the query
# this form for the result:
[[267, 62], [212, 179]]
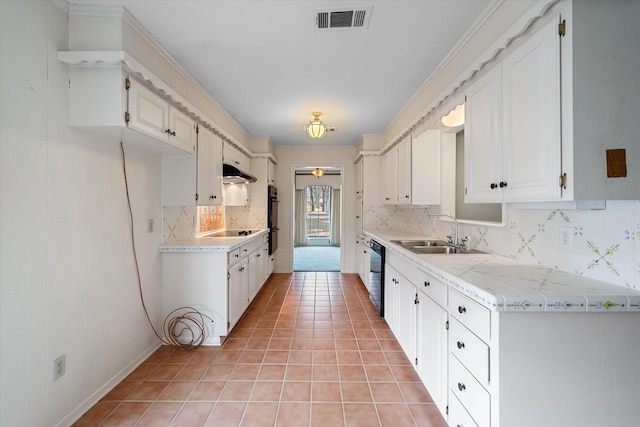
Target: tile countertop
[[504, 284], [210, 244]]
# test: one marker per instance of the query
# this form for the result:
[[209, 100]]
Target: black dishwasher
[[376, 277]]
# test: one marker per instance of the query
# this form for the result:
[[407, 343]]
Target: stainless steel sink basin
[[412, 243], [432, 247], [435, 250]]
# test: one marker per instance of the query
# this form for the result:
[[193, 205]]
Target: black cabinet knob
[[493, 185], [427, 283], [460, 345], [503, 184], [461, 309], [461, 387]]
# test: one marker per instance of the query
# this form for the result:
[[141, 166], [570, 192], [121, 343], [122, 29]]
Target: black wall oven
[[376, 276], [272, 218]]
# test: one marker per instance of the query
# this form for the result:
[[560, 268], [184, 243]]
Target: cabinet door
[[271, 172], [371, 185], [390, 297], [234, 157], [236, 194], [432, 349], [256, 273], [483, 139], [390, 177], [404, 172], [359, 171], [425, 168], [531, 105], [209, 180], [406, 326], [238, 291], [148, 112], [182, 130]]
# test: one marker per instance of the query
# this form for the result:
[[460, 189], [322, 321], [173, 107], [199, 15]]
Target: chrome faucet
[[455, 222]]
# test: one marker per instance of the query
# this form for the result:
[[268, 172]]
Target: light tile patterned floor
[[309, 351]]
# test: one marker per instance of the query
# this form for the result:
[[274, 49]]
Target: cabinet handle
[[503, 184], [213, 197], [460, 345], [245, 250], [386, 198], [461, 309], [406, 197], [493, 185], [258, 256], [461, 386], [427, 283], [236, 255], [169, 132]]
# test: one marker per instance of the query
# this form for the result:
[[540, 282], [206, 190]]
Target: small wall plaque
[[616, 163]]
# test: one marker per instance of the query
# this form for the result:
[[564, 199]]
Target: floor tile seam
[[101, 422]]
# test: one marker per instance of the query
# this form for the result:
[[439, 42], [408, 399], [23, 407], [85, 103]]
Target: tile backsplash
[[185, 222], [246, 217], [604, 244]]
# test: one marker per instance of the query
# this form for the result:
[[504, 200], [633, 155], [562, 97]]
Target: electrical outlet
[[565, 238], [59, 367]]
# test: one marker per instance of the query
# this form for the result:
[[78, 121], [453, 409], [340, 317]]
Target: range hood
[[231, 174]]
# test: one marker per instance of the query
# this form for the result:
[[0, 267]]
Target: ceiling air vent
[[352, 18]]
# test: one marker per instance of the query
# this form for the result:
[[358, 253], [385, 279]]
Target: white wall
[[67, 278], [288, 158]]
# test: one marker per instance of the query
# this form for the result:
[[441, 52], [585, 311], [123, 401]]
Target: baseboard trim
[[94, 398]]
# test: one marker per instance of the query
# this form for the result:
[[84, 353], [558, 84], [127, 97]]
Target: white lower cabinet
[[238, 290], [487, 368], [219, 284], [364, 259], [431, 359]]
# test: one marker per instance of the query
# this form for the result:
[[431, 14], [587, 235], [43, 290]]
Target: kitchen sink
[[433, 247], [412, 243]]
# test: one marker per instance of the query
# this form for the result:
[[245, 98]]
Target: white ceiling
[[269, 68]]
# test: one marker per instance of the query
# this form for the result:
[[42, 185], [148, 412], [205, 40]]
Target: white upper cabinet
[[390, 177], [551, 119], [235, 157], [194, 180], [512, 126], [483, 138], [411, 171], [368, 176], [209, 185], [531, 117], [425, 168], [152, 115], [404, 172], [271, 172]]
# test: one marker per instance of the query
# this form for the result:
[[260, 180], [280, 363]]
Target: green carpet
[[316, 258]]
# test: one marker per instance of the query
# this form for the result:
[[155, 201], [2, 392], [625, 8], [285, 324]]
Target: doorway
[[317, 220]]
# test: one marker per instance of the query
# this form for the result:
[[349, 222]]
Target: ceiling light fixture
[[455, 117], [318, 172], [316, 129]]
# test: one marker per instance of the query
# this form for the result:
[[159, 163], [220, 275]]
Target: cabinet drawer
[[458, 416], [470, 350], [433, 288], [233, 256], [471, 314], [475, 399]]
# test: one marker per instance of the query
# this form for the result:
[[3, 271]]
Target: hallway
[[309, 351]]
